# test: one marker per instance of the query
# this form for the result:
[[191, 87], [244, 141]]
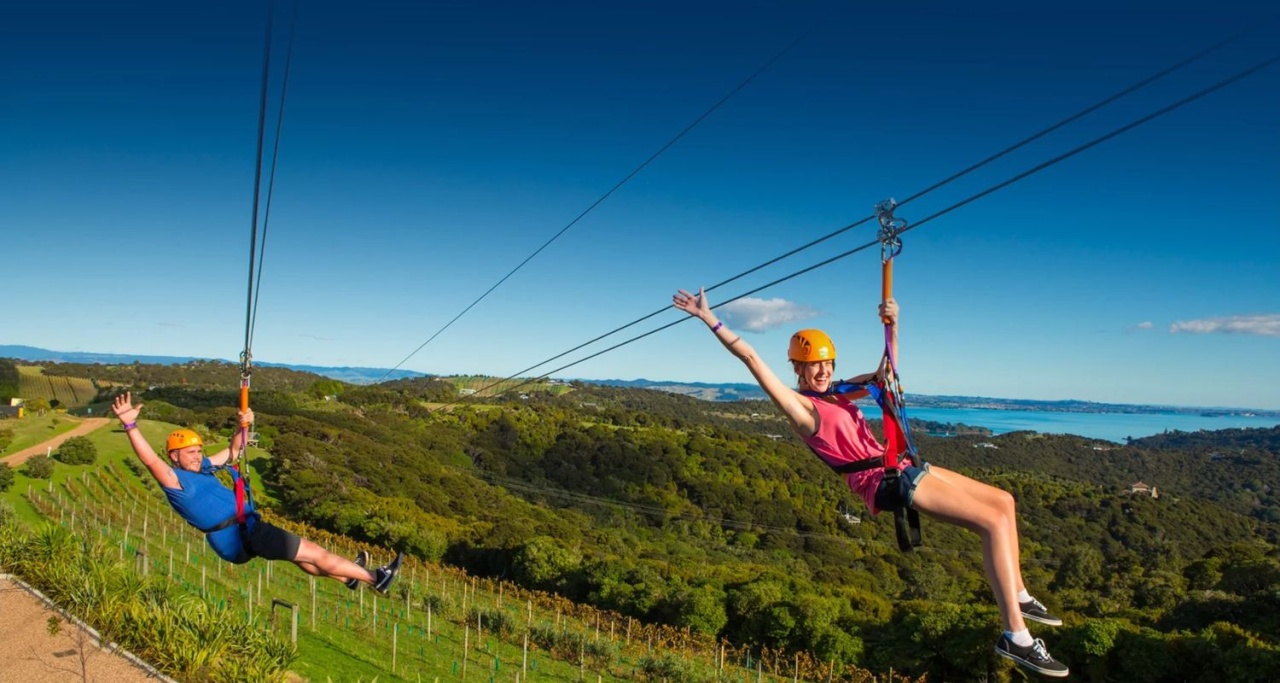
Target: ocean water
[[1108, 426]]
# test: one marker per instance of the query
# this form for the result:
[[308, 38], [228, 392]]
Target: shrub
[[6, 438], [135, 466], [39, 467], [440, 605], [78, 450], [598, 653], [544, 637], [670, 669], [494, 621], [6, 477]]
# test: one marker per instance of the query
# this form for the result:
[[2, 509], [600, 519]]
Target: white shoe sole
[[1028, 665], [1047, 621]]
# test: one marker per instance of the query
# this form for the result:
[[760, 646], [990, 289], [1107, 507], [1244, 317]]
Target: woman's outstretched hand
[[693, 304]]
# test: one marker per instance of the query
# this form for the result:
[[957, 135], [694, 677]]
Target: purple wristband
[[717, 327], [130, 425]]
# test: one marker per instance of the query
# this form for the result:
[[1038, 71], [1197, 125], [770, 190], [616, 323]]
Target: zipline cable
[[257, 185], [649, 510], [663, 513], [1083, 112], [271, 182], [1070, 119], [738, 88], [1035, 169], [1099, 140], [243, 490]]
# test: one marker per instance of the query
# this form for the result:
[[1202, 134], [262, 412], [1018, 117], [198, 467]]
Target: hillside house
[[14, 409], [1142, 489]]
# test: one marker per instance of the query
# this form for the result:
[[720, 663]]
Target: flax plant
[[182, 635]]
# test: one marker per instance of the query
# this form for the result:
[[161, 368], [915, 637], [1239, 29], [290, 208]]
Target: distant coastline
[[751, 392], [707, 391]]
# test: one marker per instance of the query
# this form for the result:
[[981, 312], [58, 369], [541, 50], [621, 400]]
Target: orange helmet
[[181, 438], [808, 346]]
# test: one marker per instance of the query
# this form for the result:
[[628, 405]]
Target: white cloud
[[1265, 324], [759, 315], [1145, 325]]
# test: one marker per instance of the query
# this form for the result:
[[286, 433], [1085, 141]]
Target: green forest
[[712, 517]]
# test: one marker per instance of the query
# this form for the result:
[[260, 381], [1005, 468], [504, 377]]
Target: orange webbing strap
[[886, 284]]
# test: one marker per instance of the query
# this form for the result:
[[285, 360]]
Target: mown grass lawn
[[33, 429]]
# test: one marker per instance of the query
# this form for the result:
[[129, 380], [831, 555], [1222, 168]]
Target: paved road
[[90, 424]]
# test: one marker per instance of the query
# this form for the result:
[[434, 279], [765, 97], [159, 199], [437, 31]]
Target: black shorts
[[271, 542]]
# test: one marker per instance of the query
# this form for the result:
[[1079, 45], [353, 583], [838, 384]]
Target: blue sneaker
[[362, 559], [384, 575]]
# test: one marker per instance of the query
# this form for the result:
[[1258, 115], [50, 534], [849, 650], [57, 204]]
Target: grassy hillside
[[438, 623], [708, 528], [34, 429]]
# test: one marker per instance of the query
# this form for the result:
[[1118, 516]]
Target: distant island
[[706, 391]]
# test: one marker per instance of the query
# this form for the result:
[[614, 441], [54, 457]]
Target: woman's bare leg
[[993, 496], [957, 499]]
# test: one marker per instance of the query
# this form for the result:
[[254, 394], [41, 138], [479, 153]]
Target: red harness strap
[[240, 495]]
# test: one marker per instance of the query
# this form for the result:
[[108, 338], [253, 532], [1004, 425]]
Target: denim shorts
[[890, 498]]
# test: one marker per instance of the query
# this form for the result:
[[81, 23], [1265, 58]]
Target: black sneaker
[[1033, 656], [384, 575], [362, 559], [1036, 611]]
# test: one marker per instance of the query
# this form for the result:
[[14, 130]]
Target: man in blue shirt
[[195, 493]]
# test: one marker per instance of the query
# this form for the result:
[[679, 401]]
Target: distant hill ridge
[[352, 375], [730, 391]]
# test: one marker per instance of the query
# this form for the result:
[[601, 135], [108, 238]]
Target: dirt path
[[89, 425], [29, 654]]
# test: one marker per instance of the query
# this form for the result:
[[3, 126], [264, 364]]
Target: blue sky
[[428, 148]]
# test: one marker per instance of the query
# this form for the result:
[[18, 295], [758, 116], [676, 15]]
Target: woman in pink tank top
[[836, 431]]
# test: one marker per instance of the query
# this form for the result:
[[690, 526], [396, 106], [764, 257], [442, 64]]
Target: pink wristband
[[717, 327]]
